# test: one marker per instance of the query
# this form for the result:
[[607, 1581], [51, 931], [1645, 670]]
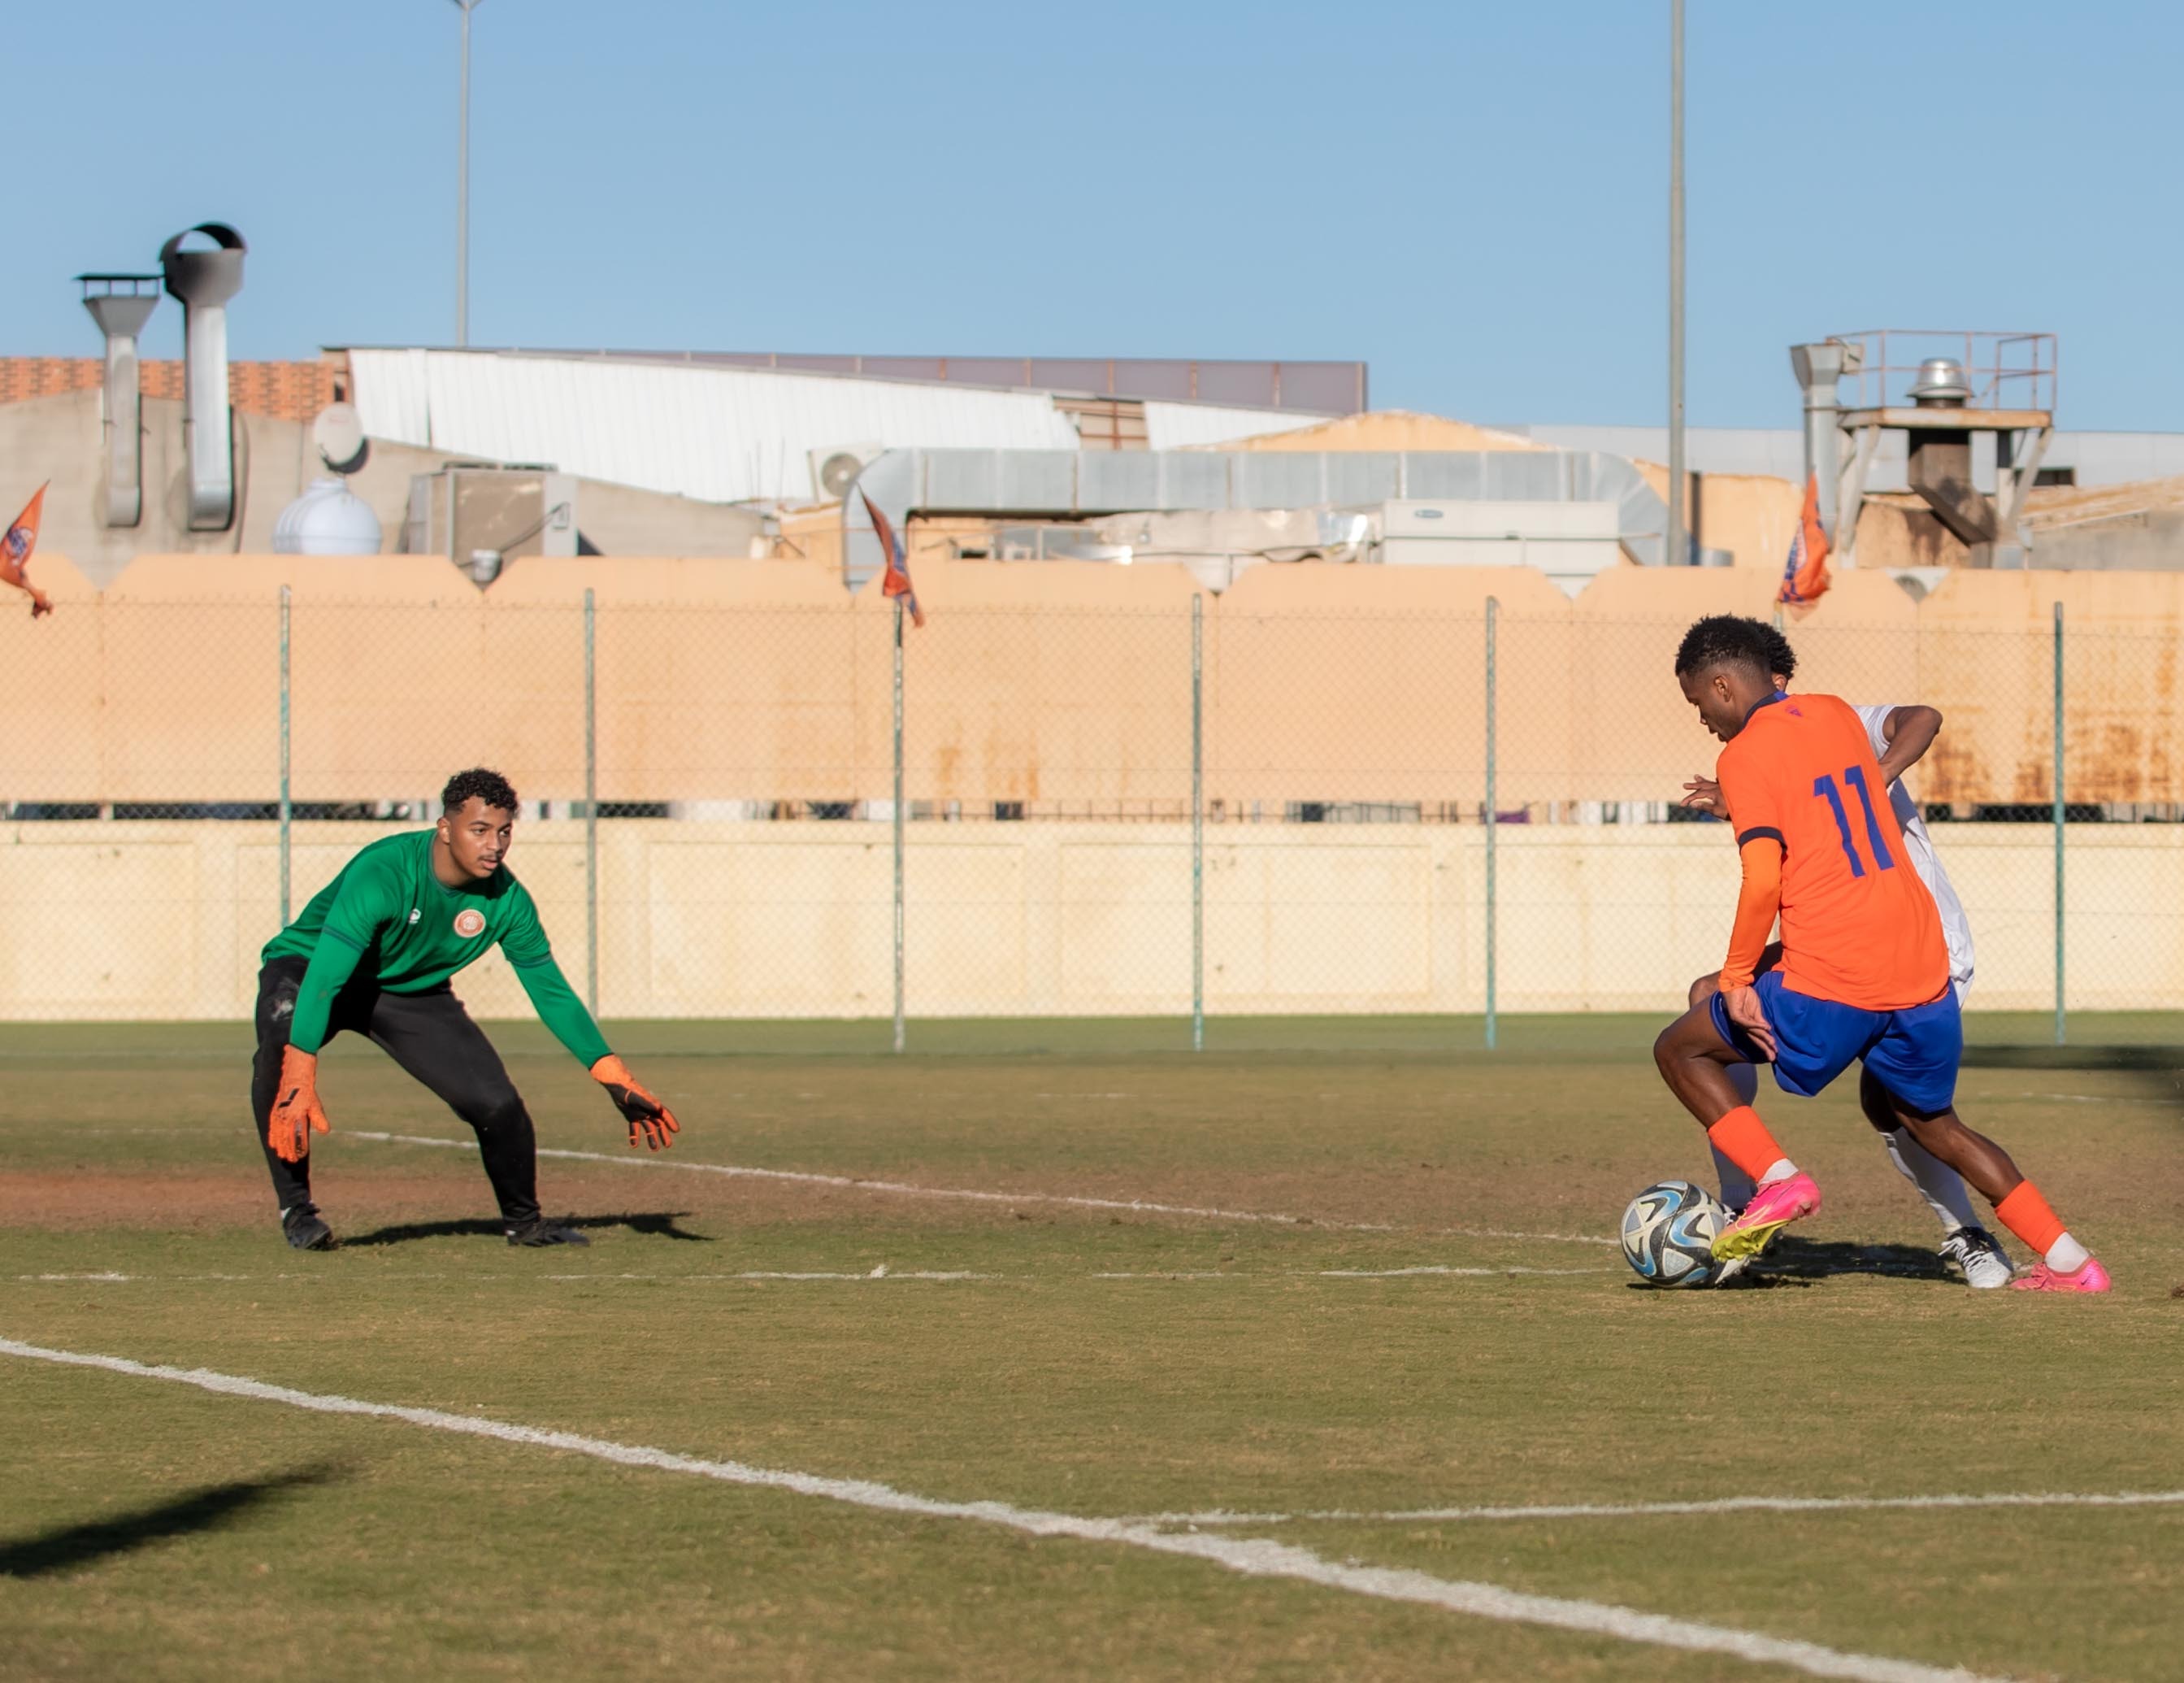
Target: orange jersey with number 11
[[1858, 924]]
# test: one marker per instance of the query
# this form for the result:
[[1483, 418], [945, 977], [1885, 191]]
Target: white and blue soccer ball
[[1668, 1234]]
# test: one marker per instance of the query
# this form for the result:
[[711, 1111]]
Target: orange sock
[[1743, 1139], [2026, 1213]]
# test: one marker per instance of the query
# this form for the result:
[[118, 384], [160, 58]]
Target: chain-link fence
[[1200, 808]]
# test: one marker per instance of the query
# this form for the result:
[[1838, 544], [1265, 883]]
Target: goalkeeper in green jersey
[[373, 954]]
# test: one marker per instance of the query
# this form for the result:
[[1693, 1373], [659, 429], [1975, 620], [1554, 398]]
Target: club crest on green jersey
[[469, 921]]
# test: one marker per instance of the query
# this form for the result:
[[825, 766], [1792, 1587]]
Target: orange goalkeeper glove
[[297, 1114], [648, 1120]]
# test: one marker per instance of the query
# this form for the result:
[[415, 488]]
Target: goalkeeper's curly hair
[[489, 786], [1731, 640]]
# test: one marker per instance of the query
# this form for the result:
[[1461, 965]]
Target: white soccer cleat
[[1979, 1258]]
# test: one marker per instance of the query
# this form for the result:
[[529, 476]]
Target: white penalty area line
[[1137, 1206], [1249, 1557], [883, 1272], [1432, 1270], [1421, 1516]]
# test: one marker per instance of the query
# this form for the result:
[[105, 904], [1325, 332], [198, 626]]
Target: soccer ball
[[1668, 1232]]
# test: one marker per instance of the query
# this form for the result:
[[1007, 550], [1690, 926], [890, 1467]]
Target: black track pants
[[431, 1035]]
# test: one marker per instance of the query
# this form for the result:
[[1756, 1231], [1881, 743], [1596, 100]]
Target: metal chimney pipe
[[121, 316], [205, 280], [1818, 368]]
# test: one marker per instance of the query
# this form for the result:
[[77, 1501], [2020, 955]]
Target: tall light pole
[[462, 189], [1677, 553]]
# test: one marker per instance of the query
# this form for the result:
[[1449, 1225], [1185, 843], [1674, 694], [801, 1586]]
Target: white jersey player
[[1900, 734], [1882, 724]]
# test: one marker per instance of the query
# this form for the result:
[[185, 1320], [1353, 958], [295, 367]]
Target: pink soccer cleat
[[1772, 1208], [2090, 1276]]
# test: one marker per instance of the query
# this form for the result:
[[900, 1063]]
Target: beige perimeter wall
[[1066, 685], [164, 920]]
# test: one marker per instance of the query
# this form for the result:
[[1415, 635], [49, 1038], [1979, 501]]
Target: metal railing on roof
[[2007, 370]]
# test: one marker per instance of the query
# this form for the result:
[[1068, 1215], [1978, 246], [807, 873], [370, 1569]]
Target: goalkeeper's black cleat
[[301, 1224], [540, 1230]]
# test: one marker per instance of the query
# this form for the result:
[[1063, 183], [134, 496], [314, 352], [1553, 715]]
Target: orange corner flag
[[897, 581], [15, 552], [1805, 574]]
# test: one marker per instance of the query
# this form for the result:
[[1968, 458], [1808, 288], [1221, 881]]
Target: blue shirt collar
[[1778, 695]]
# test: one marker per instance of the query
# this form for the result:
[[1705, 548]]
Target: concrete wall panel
[[151, 920]]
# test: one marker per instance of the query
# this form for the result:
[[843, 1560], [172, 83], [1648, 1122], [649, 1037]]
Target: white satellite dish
[[338, 434]]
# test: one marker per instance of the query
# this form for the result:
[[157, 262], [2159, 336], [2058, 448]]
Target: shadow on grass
[[652, 1224], [211, 1509], [1803, 1263], [2156, 1073], [1806, 1259]]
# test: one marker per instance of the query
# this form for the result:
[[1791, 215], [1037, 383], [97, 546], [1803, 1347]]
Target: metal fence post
[[900, 1037], [1493, 825], [287, 807], [1197, 823], [2059, 824], [591, 805]]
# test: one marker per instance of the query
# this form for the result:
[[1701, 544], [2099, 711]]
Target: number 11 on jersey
[[1824, 788]]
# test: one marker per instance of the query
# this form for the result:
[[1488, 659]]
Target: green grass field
[[1439, 1328]]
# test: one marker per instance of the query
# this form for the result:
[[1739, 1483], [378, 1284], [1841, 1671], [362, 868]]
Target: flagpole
[[899, 1036], [463, 191], [1493, 828], [591, 805], [1677, 554], [287, 810], [1197, 822]]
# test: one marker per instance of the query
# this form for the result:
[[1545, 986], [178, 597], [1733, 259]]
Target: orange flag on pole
[[15, 552], [897, 581], [1805, 574]]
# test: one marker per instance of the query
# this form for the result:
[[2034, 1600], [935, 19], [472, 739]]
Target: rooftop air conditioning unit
[[479, 516], [1569, 541], [835, 468]]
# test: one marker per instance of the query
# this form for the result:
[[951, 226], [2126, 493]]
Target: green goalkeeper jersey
[[389, 916]]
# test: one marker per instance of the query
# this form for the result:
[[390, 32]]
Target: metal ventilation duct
[[205, 280], [121, 315], [1078, 483], [1819, 368]]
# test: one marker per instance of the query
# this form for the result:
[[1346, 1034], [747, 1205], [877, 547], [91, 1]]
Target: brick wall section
[[286, 391]]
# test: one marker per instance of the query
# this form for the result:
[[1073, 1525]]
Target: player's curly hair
[[489, 786], [1731, 639], [1781, 658]]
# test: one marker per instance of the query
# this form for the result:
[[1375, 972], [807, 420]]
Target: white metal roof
[[718, 434], [1184, 426]]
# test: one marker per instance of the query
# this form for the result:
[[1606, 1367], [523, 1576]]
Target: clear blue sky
[[1472, 198]]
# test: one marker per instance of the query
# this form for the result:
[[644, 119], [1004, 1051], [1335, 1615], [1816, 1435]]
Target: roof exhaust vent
[[1941, 384], [121, 305], [205, 280]]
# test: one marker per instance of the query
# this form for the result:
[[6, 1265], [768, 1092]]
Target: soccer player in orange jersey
[[1900, 736], [1864, 975]]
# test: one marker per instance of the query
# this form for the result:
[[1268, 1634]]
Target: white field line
[[1420, 1516], [1437, 1270], [885, 1271], [110, 1278], [882, 1273], [1250, 1556], [904, 1188], [1434, 1270]]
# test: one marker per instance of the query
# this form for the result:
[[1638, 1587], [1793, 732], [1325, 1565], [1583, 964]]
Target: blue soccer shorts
[[1913, 1054]]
